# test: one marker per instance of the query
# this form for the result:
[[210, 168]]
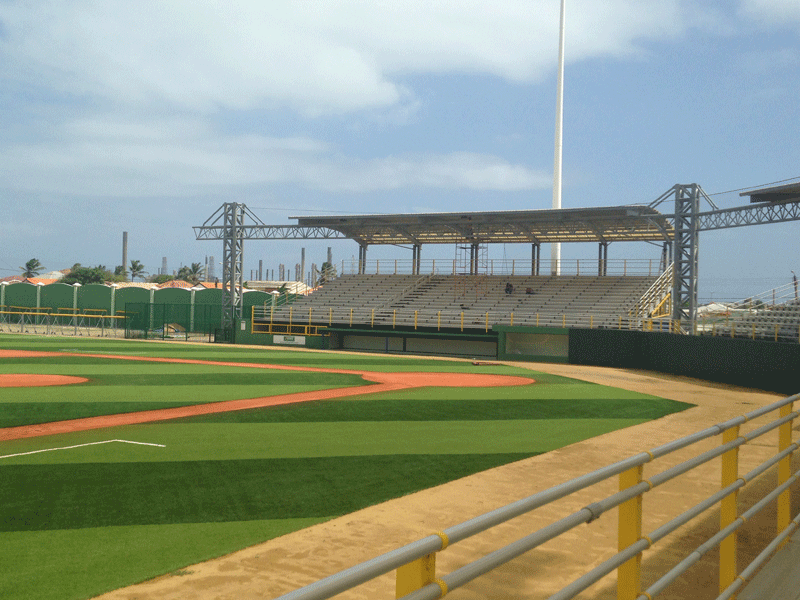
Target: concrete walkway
[[780, 577]]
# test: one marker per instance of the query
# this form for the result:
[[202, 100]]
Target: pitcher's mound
[[35, 380]]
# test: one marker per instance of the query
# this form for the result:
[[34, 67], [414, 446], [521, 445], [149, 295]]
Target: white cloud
[[326, 56], [458, 170], [772, 11], [182, 157]]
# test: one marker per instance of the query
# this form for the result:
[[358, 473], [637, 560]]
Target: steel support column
[[536, 253], [232, 261], [416, 259], [602, 259], [362, 259], [685, 253]]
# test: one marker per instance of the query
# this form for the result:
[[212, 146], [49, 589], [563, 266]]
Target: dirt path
[[276, 567]]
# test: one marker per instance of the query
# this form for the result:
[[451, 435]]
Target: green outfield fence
[[171, 321]]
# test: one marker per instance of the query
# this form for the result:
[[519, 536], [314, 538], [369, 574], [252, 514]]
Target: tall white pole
[[555, 248]]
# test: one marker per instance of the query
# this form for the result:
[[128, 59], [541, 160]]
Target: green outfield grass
[[79, 517]]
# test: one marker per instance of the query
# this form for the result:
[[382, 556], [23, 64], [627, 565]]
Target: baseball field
[[124, 460]]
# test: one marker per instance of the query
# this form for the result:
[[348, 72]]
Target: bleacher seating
[[480, 301]]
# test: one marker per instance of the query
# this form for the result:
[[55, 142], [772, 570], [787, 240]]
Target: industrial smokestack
[[124, 251]]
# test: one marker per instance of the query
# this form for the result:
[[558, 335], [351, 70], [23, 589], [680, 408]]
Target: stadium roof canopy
[[781, 193], [605, 224]]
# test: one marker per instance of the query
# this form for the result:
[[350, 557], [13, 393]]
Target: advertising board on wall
[[295, 340]]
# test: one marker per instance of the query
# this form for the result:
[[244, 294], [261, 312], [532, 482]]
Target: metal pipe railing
[[334, 584]]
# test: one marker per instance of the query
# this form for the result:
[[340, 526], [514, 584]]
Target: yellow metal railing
[[415, 563]]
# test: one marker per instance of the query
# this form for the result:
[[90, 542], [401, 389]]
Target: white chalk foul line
[[82, 445]]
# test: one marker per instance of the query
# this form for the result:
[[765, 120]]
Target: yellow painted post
[[733, 329], [754, 331], [462, 320], [620, 322], [438, 320], [416, 312], [330, 316], [512, 319], [309, 315], [784, 470], [351, 317], [629, 580], [372, 319], [728, 510], [290, 319], [394, 317], [415, 575], [487, 321]]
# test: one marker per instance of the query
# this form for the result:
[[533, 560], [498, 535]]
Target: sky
[[146, 116]]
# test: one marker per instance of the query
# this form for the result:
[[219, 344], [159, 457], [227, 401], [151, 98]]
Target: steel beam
[[780, 212], [271, 232], [685, 254], [232, 263]]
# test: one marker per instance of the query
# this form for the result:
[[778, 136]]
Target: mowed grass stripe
[[34, 412], [487, 409], [73, 564], [224, 441], [47, 497]]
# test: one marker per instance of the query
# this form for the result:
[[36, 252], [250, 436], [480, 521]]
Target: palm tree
[[192, 274], [137, 270], [32, 268]]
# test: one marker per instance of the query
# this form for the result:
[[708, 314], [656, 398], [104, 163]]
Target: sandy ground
[[34, 380], [273, 568]]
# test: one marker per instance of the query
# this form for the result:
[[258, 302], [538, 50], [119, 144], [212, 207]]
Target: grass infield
[[80, 521]]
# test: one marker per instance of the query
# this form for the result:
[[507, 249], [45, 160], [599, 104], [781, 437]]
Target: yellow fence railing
[[694, 457]]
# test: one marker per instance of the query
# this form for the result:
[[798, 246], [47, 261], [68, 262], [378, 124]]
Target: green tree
[[193, 274], [163, 278], [32, 268], [119, 275], [86, 275], [137, 270]]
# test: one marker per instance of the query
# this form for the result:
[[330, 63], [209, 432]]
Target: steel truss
[[270, 232], [685, 253], [233, 223], [779, 212]]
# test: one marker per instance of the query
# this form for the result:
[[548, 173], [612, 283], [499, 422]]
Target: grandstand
[[774, 314], [477, 302]]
